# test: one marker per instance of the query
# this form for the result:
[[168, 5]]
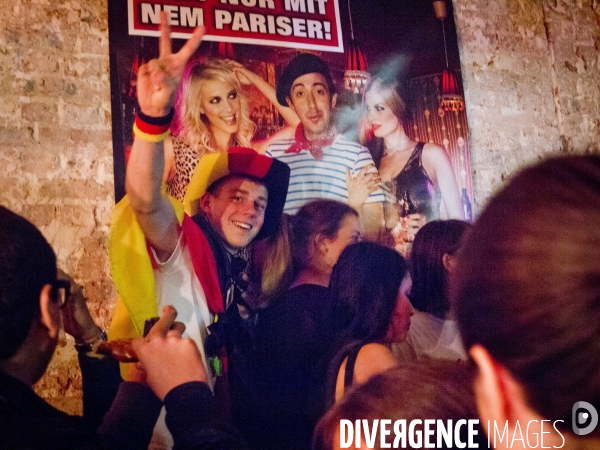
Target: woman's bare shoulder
[[431, 150], [374, 349], [372, 359], [435, 159]]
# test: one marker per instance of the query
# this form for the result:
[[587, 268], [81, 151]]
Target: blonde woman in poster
[[421, 170], [212, 114]]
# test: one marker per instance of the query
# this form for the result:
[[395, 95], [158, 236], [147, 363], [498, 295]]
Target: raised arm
[[100, 377], [169, 171], [248, 77], [157, 84]]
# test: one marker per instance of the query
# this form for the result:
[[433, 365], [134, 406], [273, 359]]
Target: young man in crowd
[[323, 162], [32, 301], [160, 256]]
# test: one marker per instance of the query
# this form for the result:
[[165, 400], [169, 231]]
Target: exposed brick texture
[[56, 150], [530, 67], [531, 71]]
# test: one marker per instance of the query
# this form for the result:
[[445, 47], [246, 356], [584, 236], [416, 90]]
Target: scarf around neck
[[314, 147]]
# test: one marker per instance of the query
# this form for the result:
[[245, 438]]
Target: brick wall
[[56, 150], [530, 67], [531, 71]]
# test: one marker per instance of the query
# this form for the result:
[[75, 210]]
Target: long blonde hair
[[189, 123]]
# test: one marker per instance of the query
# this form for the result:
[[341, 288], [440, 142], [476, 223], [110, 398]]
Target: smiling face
[[220, 103], [312, 102], [380, 116], [236, 210]]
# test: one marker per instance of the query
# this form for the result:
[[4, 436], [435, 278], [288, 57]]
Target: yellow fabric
[[130, 263], [132, 272], [121, 327], [209, 169]]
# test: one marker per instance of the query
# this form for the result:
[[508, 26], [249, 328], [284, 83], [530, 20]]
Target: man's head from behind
[[27, 264], [438, 391], [306, 86]]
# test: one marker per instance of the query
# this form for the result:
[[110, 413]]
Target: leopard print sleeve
[[186, 159]]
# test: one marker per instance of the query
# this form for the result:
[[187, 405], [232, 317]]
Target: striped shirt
[[311, 179]]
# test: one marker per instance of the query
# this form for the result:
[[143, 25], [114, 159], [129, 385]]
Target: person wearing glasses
[[32, 301]]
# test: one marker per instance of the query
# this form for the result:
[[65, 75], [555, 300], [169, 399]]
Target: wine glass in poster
[[376, 51]]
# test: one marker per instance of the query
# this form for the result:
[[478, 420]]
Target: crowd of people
[[288, 345]]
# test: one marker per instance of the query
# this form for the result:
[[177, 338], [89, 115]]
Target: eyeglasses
[[61, 290]]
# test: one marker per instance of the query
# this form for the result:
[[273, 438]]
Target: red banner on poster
[[307, 24]]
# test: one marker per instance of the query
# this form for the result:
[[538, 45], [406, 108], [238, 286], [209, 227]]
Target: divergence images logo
[[584, 417]]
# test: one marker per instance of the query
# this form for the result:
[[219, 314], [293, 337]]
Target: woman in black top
[[292, 333], [370, 309], [423, 170]]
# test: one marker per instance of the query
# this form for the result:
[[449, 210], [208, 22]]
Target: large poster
[[402, 36]]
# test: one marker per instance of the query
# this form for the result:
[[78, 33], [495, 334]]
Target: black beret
[[301, 65]]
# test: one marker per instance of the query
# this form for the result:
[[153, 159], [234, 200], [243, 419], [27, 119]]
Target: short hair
[[27, 263], [441, 390], [527, 286], [364, 288], [429, 278]]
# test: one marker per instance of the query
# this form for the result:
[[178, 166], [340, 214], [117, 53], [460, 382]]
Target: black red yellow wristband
[[163, 120], [152, 129]]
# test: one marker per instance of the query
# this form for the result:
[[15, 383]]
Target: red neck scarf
[[314, 147]]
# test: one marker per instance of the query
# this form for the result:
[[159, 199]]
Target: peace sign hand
[[158, 80]]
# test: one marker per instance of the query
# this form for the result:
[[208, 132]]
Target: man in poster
[[323, 162]]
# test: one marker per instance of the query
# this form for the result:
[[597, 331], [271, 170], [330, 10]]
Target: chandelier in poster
[[400, 38], [308, 24]]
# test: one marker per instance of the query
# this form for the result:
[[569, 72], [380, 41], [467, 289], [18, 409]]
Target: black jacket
[[27, 422]]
